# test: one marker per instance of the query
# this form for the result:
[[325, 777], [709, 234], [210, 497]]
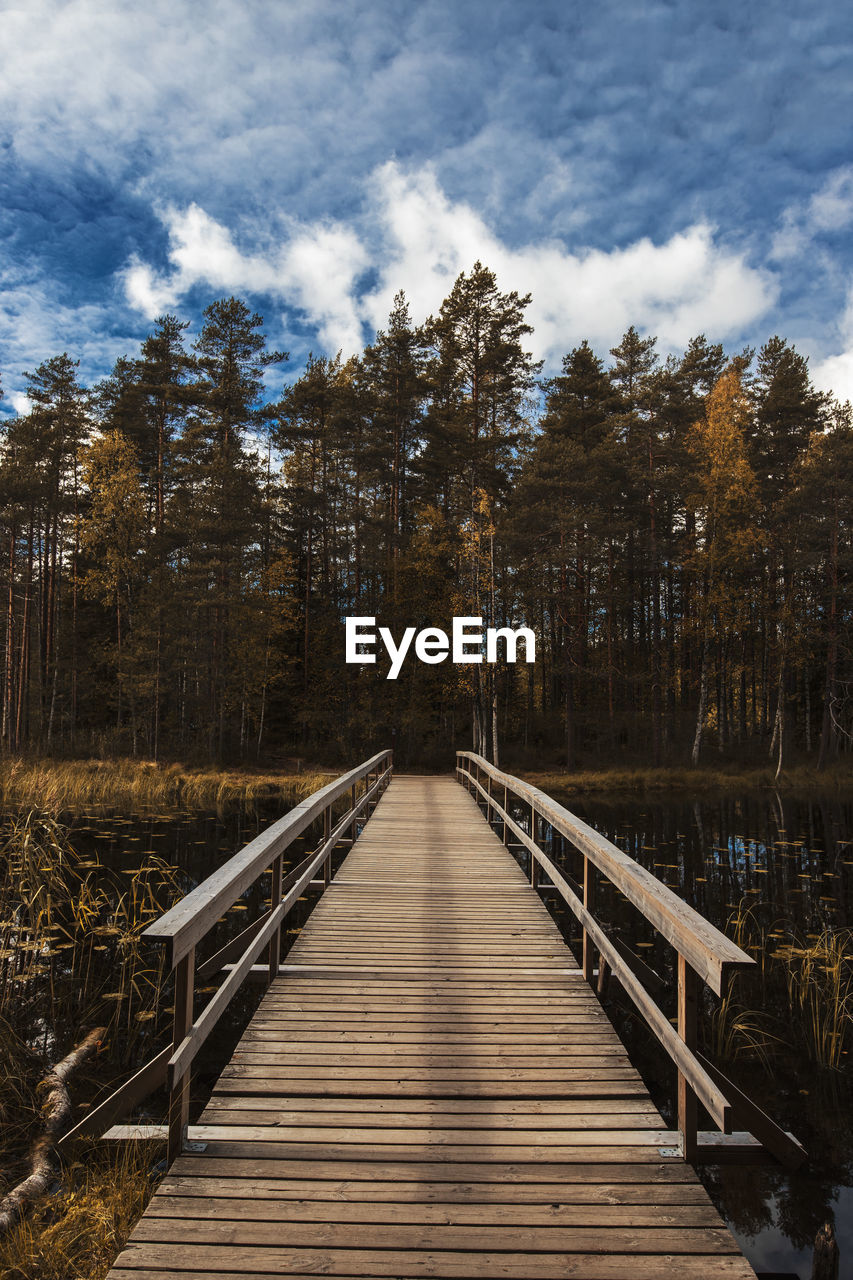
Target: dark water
[[784, 869]]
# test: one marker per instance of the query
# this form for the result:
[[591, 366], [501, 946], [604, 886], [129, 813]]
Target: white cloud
[[829, 209], [20, 403], [835, 373], [421, 241], [675, 289], [319, 269], [315, 269]]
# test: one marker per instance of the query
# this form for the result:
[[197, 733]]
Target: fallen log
[[58, 1114]]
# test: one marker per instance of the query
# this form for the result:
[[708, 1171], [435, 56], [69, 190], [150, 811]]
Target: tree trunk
[[703, 701]]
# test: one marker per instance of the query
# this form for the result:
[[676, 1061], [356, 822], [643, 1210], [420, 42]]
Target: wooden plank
[[293, 1233], [472, 1173], [148, 1261], [520, 1194], [271, 1209]]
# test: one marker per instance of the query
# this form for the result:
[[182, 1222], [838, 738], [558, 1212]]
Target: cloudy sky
[[683, 167]]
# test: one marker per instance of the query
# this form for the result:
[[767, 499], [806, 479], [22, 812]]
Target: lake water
[[785, 867]]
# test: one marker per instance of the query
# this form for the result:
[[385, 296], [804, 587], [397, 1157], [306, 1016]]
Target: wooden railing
[[704, 955], [186, 925]]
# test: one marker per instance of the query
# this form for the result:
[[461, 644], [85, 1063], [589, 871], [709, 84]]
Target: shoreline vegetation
[[61, 786], [798, 780]]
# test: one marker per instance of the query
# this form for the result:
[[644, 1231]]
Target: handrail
[[192, 917], [188, 922], [714, 956], [703, 950]]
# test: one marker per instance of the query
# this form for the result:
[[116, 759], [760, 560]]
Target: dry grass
[[804, 988], [71, 955], [63, 786], [77, 1233], [625, 781], [70, 937], [819, 979], [735, 1029]]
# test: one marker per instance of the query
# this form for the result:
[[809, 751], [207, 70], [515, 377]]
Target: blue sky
[[682, 167]]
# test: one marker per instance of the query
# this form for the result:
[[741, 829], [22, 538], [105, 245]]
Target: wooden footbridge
[[430, 1086]]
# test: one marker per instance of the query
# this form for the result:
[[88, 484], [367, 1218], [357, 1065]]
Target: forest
[[179, 548]]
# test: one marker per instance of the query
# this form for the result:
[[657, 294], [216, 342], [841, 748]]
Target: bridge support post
[[687, 1023], [179, 1095], [327, 831]]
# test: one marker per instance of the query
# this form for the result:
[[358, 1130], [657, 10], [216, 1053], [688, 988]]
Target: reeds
[[70, 939], [71, 957], [76, 1233], [737, 1030], [819, 978], [804, 988], [71, 786]]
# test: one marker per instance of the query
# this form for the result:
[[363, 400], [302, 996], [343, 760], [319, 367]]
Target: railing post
[[327, 831], [352, 800], [179, 1097], [534, 865], [687, 1021], [589, 903], [506, 810], [274, 952]]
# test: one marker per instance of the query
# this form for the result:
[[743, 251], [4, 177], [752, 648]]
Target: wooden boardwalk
[[430, 1088]]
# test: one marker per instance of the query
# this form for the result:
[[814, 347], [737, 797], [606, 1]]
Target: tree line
[[179, 549]]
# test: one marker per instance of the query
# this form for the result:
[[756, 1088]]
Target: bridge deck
[[430, 1089]]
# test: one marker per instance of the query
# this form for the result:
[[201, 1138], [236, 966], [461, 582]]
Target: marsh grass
[[72, 786], [819, 978], [622, 782], [736, 1030], [76, 1233], [70, 939], [71, 957], [803, 987]]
